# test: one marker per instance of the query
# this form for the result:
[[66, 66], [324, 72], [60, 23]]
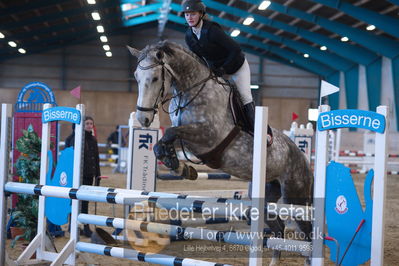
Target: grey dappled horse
[[201, 120]]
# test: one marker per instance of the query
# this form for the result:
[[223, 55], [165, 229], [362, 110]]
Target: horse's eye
[[159, 55], [155, 79]]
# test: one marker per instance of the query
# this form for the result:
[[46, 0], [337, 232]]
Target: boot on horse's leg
[[249, 110]]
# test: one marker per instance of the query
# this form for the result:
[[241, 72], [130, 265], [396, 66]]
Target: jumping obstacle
[[377, 122], [239, 238], [200, 176], [222, 206], [68, 253], [113, 196]]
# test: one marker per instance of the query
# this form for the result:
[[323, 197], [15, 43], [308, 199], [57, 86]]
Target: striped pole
[[131, 254], [188, 205], [188, 233], [305, 213], [165, 195], [214, 176], [227, 194], [168, 201]]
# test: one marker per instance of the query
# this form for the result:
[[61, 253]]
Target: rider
[[223, 55]]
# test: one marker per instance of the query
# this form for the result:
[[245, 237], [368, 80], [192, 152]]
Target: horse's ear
[[133, 51]]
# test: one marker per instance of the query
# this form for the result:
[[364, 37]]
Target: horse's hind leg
[[297, 190], [297, 193]]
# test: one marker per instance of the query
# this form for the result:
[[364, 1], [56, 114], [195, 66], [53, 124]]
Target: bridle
[[160, 97]]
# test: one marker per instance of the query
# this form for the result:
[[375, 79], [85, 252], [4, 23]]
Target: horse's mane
[[168, 48]]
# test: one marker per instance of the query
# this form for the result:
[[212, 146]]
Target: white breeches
[[242, 79]]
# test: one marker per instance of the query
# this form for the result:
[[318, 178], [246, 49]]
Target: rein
[[212, 157], [164, 100], [180, 94]]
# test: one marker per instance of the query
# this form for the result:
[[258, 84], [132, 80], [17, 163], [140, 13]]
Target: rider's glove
[[219, 71]]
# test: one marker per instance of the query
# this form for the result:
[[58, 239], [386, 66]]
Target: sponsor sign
[[351, 118], [60, 113], [144, 161]]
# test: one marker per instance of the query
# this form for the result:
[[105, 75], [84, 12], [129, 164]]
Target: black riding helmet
[[193, 6]]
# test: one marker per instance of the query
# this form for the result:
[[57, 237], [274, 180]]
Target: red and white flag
[[76, 92]]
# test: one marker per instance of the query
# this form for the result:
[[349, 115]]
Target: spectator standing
[[91, 162]]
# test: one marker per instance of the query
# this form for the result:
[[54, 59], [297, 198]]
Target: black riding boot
[[249, 110]]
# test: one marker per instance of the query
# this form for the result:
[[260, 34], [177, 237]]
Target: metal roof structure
[[286, 31], [324, 37]]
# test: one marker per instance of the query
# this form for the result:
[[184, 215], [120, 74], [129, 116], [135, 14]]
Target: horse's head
[[154, 78]]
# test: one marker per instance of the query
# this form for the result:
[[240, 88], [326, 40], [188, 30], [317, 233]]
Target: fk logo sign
[[145, 141]]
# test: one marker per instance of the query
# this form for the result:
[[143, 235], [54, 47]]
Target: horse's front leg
[[165, 150]]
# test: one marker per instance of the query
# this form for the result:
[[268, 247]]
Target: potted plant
[[27, 166]]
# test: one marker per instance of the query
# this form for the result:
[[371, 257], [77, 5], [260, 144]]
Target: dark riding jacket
[[219, 50], [91, 160]]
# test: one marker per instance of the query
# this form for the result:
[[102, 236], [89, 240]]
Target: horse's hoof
[[190, 173]]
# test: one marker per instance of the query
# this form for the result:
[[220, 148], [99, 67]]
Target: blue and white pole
[[141, 256]]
